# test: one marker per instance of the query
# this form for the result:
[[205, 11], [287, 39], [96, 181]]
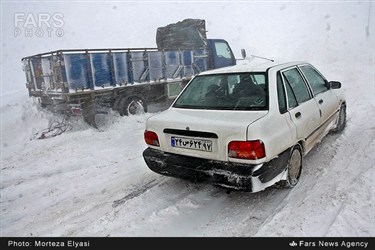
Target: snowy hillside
[[88, 182]]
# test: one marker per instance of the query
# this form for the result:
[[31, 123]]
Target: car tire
[[132, 106], [294, 168], [341, 122]]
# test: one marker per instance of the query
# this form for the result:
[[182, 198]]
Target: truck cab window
[[223, 50], [233, 80]]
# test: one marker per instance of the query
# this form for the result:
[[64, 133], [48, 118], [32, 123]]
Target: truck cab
[[221, 55]]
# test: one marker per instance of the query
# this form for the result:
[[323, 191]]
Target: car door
[[303, 109], [327, 100]]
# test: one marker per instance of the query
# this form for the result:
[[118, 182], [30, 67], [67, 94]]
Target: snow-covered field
[[88, 182]]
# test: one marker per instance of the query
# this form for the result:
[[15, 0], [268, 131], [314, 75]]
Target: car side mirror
[[334, 84], [243, 53]]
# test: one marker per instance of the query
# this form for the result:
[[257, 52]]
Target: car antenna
[[263, 58]]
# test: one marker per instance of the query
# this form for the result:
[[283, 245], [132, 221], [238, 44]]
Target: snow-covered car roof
[[252, 67]]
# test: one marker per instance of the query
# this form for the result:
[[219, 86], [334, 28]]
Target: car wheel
[[341, 122], [132, 106], [294, 168]]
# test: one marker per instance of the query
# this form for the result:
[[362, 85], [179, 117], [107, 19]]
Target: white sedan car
[[245, 127]]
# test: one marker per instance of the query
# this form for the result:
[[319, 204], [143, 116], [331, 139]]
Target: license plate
[[197, 144]]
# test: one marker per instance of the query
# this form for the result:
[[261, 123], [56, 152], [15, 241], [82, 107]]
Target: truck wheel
[[116, 104], [294, 169], [132, 106], [341, 122]]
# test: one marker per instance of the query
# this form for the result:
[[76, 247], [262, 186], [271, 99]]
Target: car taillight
[[151, 138], [250, 150]]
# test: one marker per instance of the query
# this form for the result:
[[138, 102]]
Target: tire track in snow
[[339, 174], [137, 192], [326, 150], [155, 208], [247, 212]]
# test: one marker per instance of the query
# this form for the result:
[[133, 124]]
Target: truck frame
[[90, 81]]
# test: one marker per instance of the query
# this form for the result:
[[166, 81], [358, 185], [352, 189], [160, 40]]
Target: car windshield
[[237, 91]]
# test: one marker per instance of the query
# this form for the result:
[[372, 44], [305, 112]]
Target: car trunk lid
[[201, 133]]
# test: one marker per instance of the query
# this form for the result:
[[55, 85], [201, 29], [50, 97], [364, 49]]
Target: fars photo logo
[[40, 24]]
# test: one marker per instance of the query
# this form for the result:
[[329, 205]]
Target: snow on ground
[[88, 182]]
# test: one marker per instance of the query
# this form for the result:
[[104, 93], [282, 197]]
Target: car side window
[[317, 82], [292, 101], [296, 82], [281, 94]]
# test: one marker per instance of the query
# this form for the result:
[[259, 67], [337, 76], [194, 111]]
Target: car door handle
[[298, 114], [320, 101]]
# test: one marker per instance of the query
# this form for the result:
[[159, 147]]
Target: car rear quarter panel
[[276, 131]]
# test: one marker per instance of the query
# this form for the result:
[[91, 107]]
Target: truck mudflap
[[230, 175]]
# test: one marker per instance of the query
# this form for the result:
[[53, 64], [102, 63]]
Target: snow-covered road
[[87, 182]]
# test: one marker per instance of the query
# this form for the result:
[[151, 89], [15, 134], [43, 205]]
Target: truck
[[90, 81]]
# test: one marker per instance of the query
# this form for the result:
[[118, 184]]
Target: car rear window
[[236, 91]]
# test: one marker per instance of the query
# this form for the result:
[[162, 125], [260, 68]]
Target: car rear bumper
[[231, 175]]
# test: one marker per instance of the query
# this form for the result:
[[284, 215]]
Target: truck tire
[[294, 168], [132, 106]]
